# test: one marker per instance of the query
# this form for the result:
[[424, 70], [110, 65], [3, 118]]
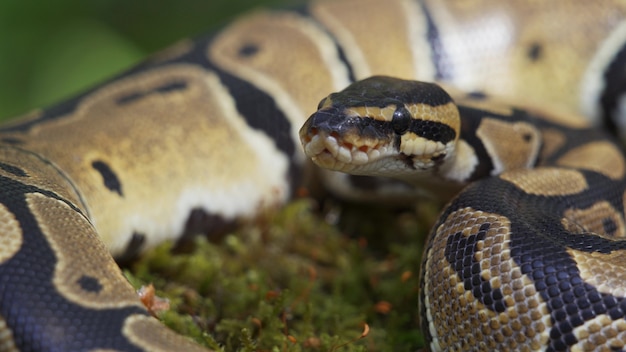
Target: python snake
[[520, 259]]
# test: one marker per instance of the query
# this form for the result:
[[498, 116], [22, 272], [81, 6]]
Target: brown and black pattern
[[571, 277], [206, 134], [532, 253]]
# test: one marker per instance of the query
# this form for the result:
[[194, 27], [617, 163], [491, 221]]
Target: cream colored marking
[[80, 254], [487, 40], [476, 39], [309, 61], [11, 238], [509, 145], [553, 140], [417, 24], [565, 118], [456, 319], [7, 343], [602, 157], [564, 57], [489, 104], [376, 113], [447, 114], [378, 31], [593, 83], [462, 163], [600, 334], [140, 330], [547, 181], [191, 145], [41, 174], [414, 145], [591, 219], [605, 272]]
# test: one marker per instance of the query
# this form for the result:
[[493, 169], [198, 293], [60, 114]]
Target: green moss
[[293, 282]]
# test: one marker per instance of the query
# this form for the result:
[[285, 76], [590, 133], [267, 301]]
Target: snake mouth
[[385, 154], [331, 151]]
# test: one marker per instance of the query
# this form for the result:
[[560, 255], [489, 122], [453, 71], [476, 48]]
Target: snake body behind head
[[527, 255]]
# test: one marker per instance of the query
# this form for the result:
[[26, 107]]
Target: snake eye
[[401, 120]]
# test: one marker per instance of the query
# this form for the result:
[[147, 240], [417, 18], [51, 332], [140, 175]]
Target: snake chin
[[330, 152]]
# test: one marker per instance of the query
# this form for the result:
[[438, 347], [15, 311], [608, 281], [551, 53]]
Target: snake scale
[[528, 256]]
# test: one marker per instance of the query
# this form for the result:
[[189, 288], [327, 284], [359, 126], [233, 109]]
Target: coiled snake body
[[521, 259]]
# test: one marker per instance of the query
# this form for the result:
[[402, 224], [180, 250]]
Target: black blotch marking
[[459, 253], [477, 95], [610, 227], [12, 140], [303, 10], [13, 170], [259, 109], [108, 177], [439, 56], [527, 137], [248, 50], [90, 284], [614, 90], [22, 289], [127, 99], [540, 256], [171, 87], [201, 222], [470, 121], [432, 130], [401, 120], [167, 88], [535, 51], [133, 248]]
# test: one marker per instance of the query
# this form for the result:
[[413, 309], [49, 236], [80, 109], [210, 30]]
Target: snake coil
[[529, 254]]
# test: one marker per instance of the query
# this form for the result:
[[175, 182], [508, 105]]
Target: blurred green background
[[50, 50]]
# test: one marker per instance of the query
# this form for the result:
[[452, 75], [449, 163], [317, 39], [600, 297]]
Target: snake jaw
[[422, 148], [331, 151], [346, 150]]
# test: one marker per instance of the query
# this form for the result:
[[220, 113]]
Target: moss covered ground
[[341, 278]]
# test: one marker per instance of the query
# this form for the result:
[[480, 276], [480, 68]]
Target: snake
[[527, 255]]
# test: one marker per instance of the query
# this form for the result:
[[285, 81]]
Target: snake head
[[383, 126]]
